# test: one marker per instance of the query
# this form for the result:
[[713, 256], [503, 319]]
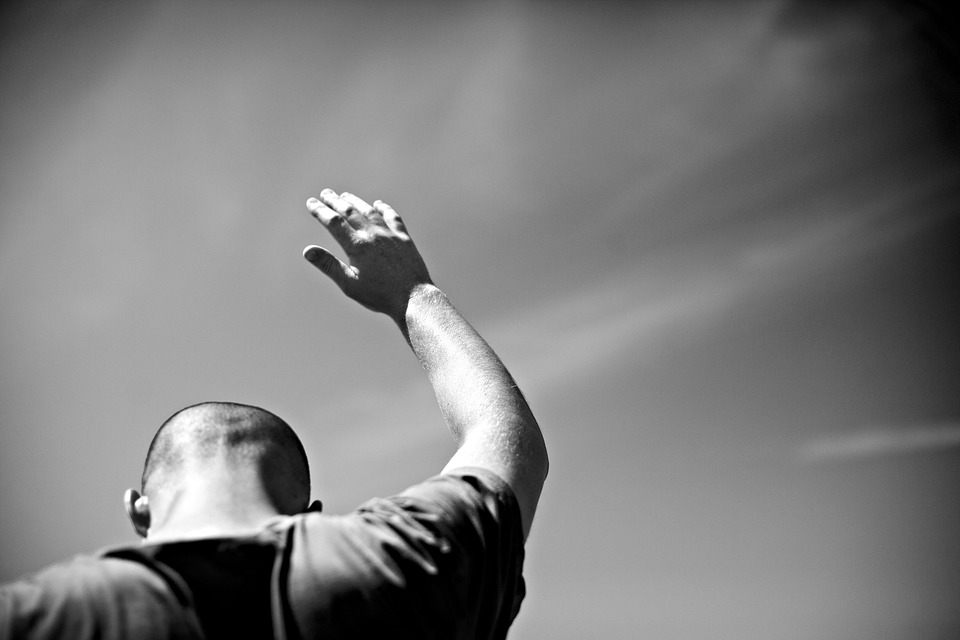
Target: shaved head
[[242, 437]]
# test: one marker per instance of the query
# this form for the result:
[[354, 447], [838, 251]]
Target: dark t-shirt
[[443, 559]]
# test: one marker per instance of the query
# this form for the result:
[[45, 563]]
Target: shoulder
[[454, 511], [466, 498], [91, 597], [468, 484], [84, 579], [441, 551]]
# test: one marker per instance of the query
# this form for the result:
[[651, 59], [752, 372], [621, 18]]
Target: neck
[[209, 507]]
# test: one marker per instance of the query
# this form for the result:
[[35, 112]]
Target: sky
[[715, 242]]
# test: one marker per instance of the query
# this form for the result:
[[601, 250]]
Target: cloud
[[668, 299], [674, 294], [875, 442], [630, 317]]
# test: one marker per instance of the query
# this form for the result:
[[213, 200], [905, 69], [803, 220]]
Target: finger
[[345, 208], [366, 213], [330, 265], [390, 217], [330, 198], [335, 223], [360, 205]]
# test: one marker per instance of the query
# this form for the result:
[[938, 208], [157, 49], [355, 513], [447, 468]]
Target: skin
[[484, 410]]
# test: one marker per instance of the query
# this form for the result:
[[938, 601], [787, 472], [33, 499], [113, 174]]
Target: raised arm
[[481, 404]]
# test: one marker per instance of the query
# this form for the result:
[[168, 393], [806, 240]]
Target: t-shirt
[[442, 559]]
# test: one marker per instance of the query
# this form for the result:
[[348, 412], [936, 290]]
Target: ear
[[138, 510], [315, 507]]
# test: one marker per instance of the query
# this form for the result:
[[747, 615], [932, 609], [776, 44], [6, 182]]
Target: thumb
[[332, 266]]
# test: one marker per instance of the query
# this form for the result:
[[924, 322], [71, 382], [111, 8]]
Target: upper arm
[[517, 456]]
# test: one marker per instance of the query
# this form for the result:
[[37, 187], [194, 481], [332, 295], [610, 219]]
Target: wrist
[[419, 296]]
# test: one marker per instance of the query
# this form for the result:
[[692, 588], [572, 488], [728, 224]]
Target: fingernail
[[312, 202]]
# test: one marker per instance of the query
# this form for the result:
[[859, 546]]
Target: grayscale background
[[715, 242]]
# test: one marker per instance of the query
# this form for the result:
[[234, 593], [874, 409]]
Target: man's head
[[240, 453]]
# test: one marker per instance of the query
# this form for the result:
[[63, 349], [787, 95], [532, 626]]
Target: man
[[233, 549]]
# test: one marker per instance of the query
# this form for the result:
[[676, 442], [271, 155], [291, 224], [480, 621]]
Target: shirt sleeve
[[442, 559]]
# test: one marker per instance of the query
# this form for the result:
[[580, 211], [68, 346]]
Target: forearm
[[484, 409], [473, 387]]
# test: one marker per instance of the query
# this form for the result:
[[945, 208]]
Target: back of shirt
[[443, 559], [229, 581]]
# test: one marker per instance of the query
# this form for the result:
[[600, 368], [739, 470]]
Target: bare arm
[[482, 406]]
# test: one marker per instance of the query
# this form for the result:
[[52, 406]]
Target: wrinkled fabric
[[441, 560], [104, 598]]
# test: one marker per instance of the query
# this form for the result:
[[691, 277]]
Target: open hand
[[384, 265]]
